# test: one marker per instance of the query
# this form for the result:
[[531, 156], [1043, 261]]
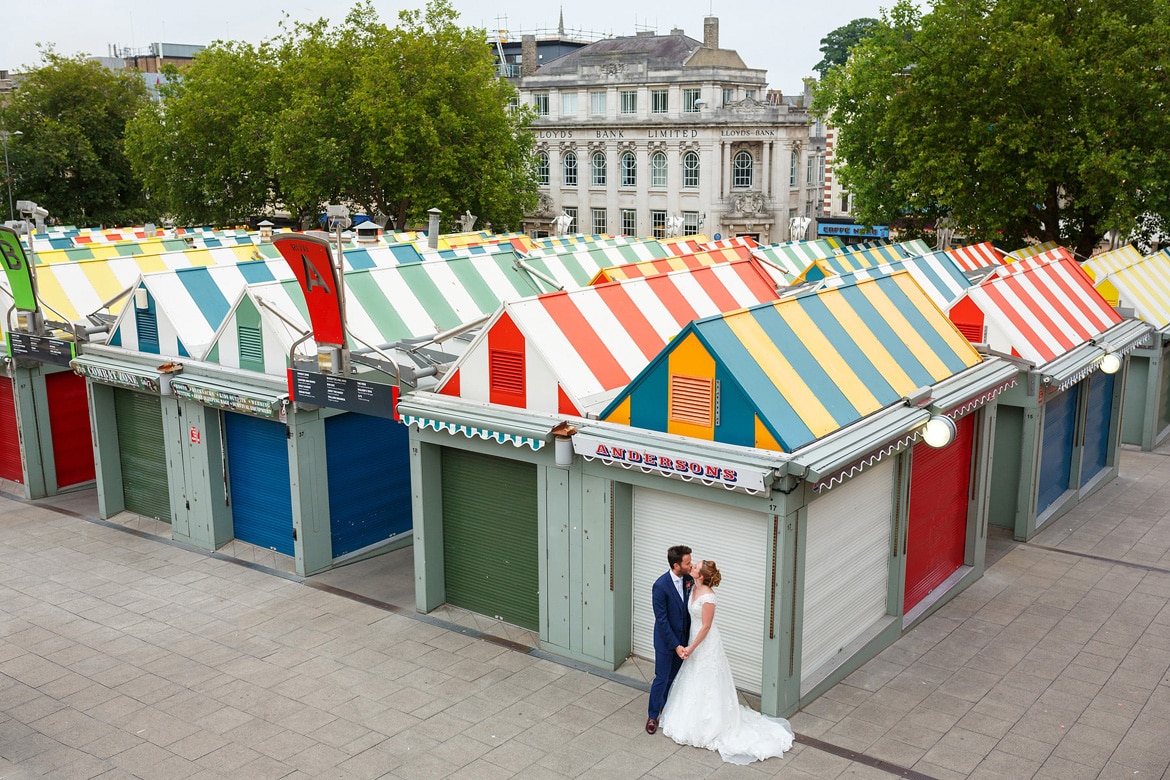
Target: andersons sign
[[668, 463]]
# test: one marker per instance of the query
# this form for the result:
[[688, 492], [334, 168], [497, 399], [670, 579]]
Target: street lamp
[[5, 135]]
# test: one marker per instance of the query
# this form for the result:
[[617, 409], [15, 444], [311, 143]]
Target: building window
[[598, 221], [658, 169], [569, 168], [597, 103], [810, 174], [728, 96], [691, 223], [542, 168], [629, 101], [793, 165], [750, 94], [658, 224], [844, 202], [629, 170], [820, 169], [629, 222], [540, 101], [568, 104], [597, 168], [690, 170], [691, 98], [572, 212], [741, 170], [659, 101]]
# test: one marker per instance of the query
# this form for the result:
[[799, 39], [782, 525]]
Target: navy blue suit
[[672, 628]]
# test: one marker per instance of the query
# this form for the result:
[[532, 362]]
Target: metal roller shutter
[[69, 425], [11, 465], [490, 551], [737, 540], [258, 481], [142, 454], [846, 563], [1060, 418], [1164, 393], [1098, 414], [940, 482], [369, 480]]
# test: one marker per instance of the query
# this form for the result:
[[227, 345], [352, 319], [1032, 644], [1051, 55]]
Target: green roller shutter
[[1164, 394], [142, 454], [489, 537]]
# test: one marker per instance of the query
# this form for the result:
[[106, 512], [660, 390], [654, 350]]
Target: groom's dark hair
[[675, 554]]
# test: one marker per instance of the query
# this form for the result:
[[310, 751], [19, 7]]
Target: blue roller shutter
[[1060, 417], [1098, 413], [369, 480], [261, 498]]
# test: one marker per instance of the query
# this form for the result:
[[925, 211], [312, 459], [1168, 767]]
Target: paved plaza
[[125, 655]]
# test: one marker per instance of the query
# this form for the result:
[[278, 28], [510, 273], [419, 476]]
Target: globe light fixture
[[939, 431], [1110, 363]]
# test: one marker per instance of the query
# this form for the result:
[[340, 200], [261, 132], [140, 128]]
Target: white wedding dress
[[703, 709]]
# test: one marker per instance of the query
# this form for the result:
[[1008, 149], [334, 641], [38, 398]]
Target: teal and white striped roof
[[938, 274]]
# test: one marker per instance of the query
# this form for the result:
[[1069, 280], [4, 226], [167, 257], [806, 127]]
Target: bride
[[703, 708]]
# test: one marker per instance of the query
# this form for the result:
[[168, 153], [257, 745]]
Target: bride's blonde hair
[[711, 575]]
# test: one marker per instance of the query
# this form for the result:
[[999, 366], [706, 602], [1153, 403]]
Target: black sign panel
[[340, 392], [40, 348]]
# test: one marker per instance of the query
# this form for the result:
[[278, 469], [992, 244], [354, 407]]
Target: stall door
[[846, 563], [490, 552], [737, 540], [369, 480], [940, 485], [11, 466], [258, 482], [1056, 446], [69, 425], [1163, 394], [142, 454], [1098, 415]]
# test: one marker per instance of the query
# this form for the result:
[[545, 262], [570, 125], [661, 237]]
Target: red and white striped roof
[[1045, 257], [1041, 312], [976, 256], [665, 265], [570, 352]]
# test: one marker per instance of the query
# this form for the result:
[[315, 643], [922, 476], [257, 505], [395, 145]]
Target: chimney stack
[[711, 32], [528, 63]]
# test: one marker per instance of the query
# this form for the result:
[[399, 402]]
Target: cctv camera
[[40, 212]]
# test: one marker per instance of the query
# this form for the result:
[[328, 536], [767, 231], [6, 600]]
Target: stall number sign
[[196, 436]]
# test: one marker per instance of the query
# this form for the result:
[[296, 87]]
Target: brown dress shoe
[[651, 725]]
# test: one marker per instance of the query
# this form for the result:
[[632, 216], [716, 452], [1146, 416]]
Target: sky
[[779, 36]]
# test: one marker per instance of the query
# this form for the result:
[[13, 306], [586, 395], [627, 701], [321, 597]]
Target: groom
[[672, 628]]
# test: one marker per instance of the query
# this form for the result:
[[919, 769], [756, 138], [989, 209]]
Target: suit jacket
[[672, 620]]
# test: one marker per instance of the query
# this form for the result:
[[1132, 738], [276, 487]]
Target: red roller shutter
[[69, 424], [939, 494], [10, 464]]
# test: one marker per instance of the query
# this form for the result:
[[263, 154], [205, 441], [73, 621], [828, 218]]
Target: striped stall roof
[[1101, 265], [803, 367], [975, 256], [520, 241], [1031, 261], [570, 239], [937, 273], [1028, 251], [724, 243], [1038, 314], [479, 249], [621, 250], [849, 261], [571, 351], [794, 259], [668, 264], [683, 245], [188, 306], [1144, 286], [577, 269]]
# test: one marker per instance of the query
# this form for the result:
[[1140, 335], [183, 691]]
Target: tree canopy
[[836, 45], [391, 120], [71, 113], [1022, 119]]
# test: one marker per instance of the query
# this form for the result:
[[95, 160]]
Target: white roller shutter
[[846, 563], [737, 540]]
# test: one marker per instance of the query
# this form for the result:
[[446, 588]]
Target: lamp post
[[5, 135]]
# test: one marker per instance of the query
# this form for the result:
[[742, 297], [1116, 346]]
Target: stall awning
[[118, 373], [1077, 363], [474, 420], [232, 396]]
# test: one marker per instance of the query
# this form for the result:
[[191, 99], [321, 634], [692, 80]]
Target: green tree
[[1021, 118], [836, 45], [72, 114]]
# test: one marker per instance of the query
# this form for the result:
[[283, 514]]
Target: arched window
[[542, 168], [629, 170], [792, 169], [658, 170], [597, 164], [690, 170], [569, 164], [741, 170]]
